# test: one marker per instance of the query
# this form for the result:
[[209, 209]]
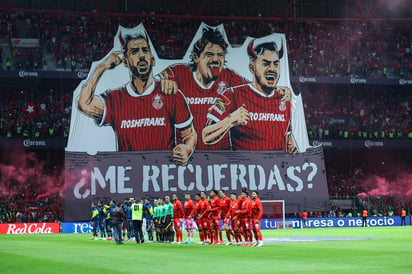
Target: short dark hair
[[244, 190], [209, 35], [129, 37], [253, 52]]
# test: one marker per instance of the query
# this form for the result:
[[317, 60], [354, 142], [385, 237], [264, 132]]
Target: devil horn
[[250, 51], [122, 42], [199, 45], [281, 49]]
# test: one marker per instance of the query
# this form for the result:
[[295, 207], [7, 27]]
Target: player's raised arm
[[183, 151], [285, 92], [214, 132], [291, 144], [88, 103]]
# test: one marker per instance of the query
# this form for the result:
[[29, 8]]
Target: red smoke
[[376, 185], [25, 177]]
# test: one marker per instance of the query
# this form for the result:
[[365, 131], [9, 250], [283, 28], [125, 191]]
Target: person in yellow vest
[[364, 218], [137, 219], [403, 216]]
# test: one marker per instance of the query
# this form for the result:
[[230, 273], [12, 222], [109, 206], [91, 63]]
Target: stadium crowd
[[331, 113], [347, 112], [28, 115], [319, 48]]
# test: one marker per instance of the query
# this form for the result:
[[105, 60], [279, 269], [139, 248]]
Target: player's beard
[[263, 82], [142, 75]]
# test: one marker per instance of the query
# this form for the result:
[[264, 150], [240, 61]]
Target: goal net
[[275, 211]]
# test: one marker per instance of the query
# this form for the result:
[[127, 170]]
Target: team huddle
[[240, 217]]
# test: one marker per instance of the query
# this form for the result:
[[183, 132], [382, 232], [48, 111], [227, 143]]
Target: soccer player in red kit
[[204, 215], [178, 214], [204, 79], [199, 218], [189, 209], [257, 213], [236, 219], [215, 217], [256, 114], [225, 204], [244, 215], [142, 117]]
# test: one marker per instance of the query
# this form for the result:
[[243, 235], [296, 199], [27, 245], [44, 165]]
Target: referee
[[168, 220]]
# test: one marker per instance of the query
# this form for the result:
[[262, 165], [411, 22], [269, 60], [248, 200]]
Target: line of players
[[241, 215]]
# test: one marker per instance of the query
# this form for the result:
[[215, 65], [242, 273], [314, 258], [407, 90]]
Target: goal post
[[275, 210]]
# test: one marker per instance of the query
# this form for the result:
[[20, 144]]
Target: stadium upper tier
[[369, 49]]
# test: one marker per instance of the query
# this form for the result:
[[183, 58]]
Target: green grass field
[[383, 250]]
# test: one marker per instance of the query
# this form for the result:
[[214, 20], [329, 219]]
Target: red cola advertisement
[[223, 117], [29, 228]]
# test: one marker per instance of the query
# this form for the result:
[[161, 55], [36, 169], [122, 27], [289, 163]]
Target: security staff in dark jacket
[[118, 216]]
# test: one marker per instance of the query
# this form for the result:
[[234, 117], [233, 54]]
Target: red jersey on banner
[[189, 208], [269, 118], [200, 98], [145, 121]]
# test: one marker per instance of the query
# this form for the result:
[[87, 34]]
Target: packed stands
[[319, 48]]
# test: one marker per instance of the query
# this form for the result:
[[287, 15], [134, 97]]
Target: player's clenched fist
[[181, 154], [285, 92], [240, 116], [113, 60]]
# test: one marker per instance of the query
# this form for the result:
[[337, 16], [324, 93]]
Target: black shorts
[[161, 223], [168, 220]]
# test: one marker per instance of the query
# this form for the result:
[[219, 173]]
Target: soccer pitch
[[329, 250]]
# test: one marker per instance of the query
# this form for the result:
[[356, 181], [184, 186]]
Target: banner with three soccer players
[[222, 117]]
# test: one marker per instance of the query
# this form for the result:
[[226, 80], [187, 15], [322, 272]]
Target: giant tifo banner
[[220, 118]]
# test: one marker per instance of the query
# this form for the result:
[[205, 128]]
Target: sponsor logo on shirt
[[200, 100], [144, 122], [270, 117]]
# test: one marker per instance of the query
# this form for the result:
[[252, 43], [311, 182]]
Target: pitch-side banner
[[29, 228], [153, 174]]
